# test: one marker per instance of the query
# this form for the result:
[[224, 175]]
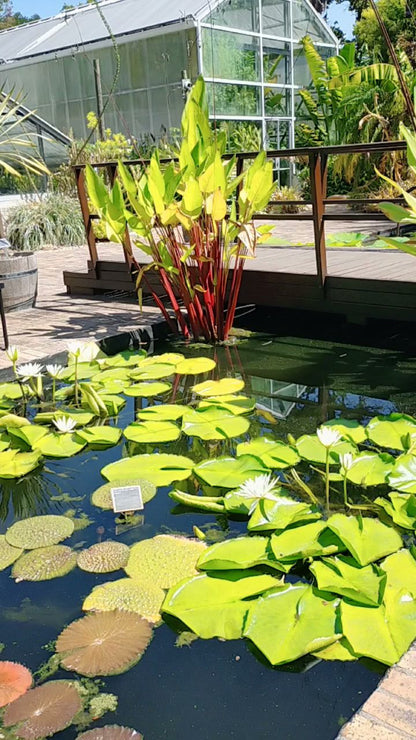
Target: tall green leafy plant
[[194, 218]]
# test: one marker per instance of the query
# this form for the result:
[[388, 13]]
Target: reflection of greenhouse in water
[[249, 52]]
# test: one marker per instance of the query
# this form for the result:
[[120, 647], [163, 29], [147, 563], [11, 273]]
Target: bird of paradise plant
[[194, 218]]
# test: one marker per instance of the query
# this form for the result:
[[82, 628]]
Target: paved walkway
[[57, 318]]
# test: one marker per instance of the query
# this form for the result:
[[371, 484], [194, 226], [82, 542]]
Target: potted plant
[[194, 218]]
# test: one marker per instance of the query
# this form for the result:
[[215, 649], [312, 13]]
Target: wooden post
[[318, 173], [99, 98], [86, 216]]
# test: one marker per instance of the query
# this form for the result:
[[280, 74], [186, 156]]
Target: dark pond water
[[210, 689]]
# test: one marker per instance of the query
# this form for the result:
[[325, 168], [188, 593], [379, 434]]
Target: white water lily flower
[[30, 370], [12, 353], [54, 370], [346, 460], [75, 347], [261, 487], [65, 424], [328, 436]]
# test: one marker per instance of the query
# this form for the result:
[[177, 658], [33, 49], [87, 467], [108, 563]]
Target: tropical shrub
[[398, 213], [279, 197], [194, 220], [55, 219]]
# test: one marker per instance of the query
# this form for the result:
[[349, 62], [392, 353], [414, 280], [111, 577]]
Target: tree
[[399, 17], [8, 18]]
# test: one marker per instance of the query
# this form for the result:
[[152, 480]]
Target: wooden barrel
[[20, 277]]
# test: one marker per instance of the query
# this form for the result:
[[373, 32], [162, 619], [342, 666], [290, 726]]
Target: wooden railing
[[318, 169]]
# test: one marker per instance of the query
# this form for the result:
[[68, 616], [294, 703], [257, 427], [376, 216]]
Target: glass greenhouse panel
[[242, 14], [275, 17], [230, 56], [234, 100], [276, 62], [307, 23], [277, 101]]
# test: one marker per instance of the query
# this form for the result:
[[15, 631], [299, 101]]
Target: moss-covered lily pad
[[159, 469], [146, 432], [147, 389], [126, 594], [104, 557], [274, 454], [14, 464], [221, 387], [45, 563], [164, 559], [230, 472], [213, 423], [367, 539], [8, 553], [101, 436], [101, 497], [39, 531], [345, 577], [392, 431], [291, 622]]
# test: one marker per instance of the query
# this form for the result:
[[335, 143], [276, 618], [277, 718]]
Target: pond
[[207, 688]]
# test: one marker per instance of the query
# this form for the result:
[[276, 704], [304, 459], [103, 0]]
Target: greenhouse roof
[[83, 25]]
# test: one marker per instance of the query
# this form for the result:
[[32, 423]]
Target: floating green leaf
[[101, 436], [10, 391], [310, 448], [8, 553], [124, 359], [84, 370], [239, 553], [102, 495], [401, 571], [343, 576], [162, 412], [113, 403], [29, 435], [401, 508], [212, 605], [160, 469], [164, 560], [4, 441], [14, 464], [104, 557], [348, 428], [229, 472], [290, 622], [58, 444], [168, 358], [13, 421], [370, 469], [213, 423], [367, 539], [221, 387], [152, 432], [340, 650], [152, 372], [234, 404], [391, 431], [195, 366], [147, 390], [78, 415], [126, 594], [309, 540], [116, 373], [39, 531], [280, 514], [274, 454], [403, 474], [45, 563]]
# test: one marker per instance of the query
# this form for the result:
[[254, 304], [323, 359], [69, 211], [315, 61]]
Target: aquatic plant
[[104, 643], [104, 557], [164, 559], [111, 732], [145, 432], [8, 553], [39, 531], [213, 423], [15, 680], [44, 563], [160, 469], [221, 387], [142, 597], [44, 710], [15, 464], [261, 488], [101, 497], [61, 443]]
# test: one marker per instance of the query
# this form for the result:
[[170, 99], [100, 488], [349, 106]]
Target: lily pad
[[162, 412], [147, 390], [104, 557], [370, 469], [310, 448], [124, 359], [13, 421], [340, 650], [229, 472], [290, 622], [168, 358], [309, 540], [391, 431], [401, 571], [159, 469], [403, 474], [4, 441], [44, 563], [126, 594], [195, 366], [213, 423], [164, 559], [78, 415], [57, 444], [29, 435], [274, 454], [44, 710], [343, 576], [39, 531], [280, 514], [152, 432], [14, 464], [221, 387], [8, 553], [101, 436], [114, 373], [234, 404], [238, 553], [367, 539], [401, 508], [152, 372], [348, 429], [212, 605], [102, 495], [111, 732], [10, 391]]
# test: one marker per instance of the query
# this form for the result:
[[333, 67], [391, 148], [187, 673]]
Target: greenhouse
[[248, 51]]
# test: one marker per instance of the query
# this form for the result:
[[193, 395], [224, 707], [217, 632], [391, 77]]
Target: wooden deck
[[361, 283]]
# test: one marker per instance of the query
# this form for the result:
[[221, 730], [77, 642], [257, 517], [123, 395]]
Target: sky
[[45, 8]]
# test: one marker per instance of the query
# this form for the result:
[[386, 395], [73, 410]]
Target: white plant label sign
[[127, 498]]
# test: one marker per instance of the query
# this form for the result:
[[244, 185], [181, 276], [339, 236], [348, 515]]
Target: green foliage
[[400, 27], [52, 220]]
